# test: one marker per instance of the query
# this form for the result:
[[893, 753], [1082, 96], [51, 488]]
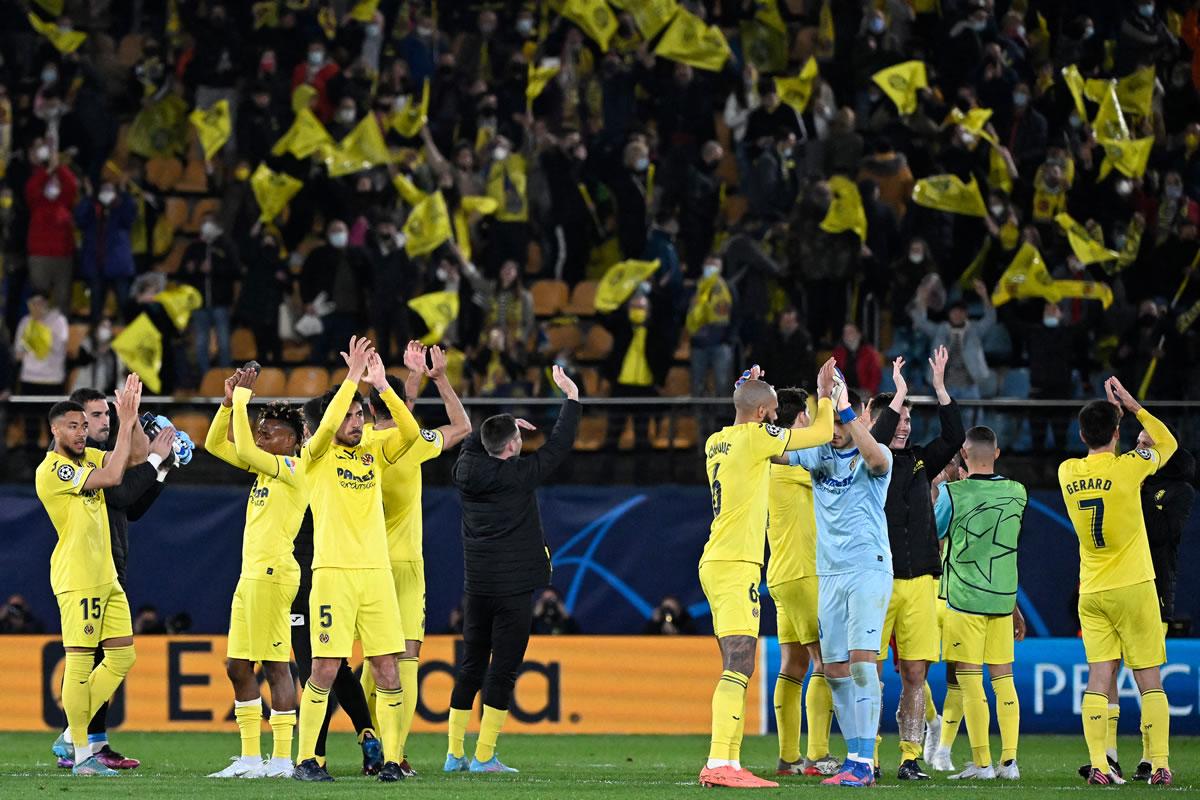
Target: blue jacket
[[112, 255]]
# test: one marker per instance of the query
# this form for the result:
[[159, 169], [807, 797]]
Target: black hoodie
[[504, 548], [1167, 499], [127, 501]]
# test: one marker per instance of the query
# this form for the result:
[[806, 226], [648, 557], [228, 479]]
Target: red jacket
[[868, 373], [324, 109], [51, 222]]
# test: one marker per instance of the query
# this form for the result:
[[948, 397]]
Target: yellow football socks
[[367, 679], [389, 704], [489, 733], [248, 714], [283, 725], [1110, 742], [408, 684], [458, 731], [977, 715], [728, 707], [952, 711], [1094, 710], [1008, 715], [930, 706], [1156, 723], [818, 706], [106, 677], [76, 697], [313, 703], [787, 717]]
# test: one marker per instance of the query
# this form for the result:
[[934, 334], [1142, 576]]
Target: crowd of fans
[[624, 155]]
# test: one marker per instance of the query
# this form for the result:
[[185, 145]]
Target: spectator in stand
[[858, 360], [41, 347], [15, 617], [509, 306], [259, 125], [392, 285], [266, 286], [773, 185], [50, 196], [787, 355], [1054, 350], [711, 328], [212, 265], [317, 71], [148, 622], [643, 344], [506, 176], [668, 280], [967, 373], [1024, 131], [96, 365], [670, 618], [630, 186], [105, 219], [1143, 38], [333, 285], [551, 617], [495, 370], [770, 120], [699, 205]]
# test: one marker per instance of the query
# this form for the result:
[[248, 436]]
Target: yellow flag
[[1135, 91], [619, 282], [438, 309], [306, 136], [471, 204], [1025, 277], [364, 10], [63, 41], [179, 302], [302, 97], [998, 175], [37, 338], [1075, 84], [650, 16], [1128, 157], [711, 305], [1133, 243], [272, 190], [409, 120], [595, 18], [825, 31], [846, 211], [52, 7], [1085, 290], [1087, 249], [328, 22], [428, 225], [901, 83], [690, 41], [768, 14], [362, 148], [140, 346], [538, 78], [975, 121], [213, 126], [160, 128], [265, 14], [1110, 122], [949, 193], [407, 190], [797, 91]]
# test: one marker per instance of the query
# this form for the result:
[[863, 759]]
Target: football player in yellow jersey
[[738, 462], [1118, 605], [94, 612], [352, 590], [792, 581], [260, 616], [402, 515]]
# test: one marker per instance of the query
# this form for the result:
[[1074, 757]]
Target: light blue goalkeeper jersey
[[852, 531]]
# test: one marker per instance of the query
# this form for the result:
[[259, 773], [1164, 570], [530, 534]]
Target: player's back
[[402, 486], [274, 512], [1102, 493], [738, 461], [791, 525], [82, 557]]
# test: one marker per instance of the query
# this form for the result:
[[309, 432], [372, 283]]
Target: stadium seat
[[531, 441], [683, 352], [164, 173], [549, 297], [307, 382], [1016, 383], [194, 178], [194, 424], [563, 337], [213, 384], [592, 430], [170, 264], [202, 207], [296, 352], [272, 382], [76, 333], [129, 51], [176, 212], [533, 259], [678, 382], [596, 345], [583, 299], [593, 384], [241, 345]]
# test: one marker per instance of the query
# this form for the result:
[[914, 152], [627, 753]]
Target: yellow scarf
[[635, 369], [711, 305]]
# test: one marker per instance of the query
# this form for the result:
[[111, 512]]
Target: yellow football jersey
[[402, 497], [1102, 493], [276, 504], [82, 558], [344, 485], [791, 525], [738, 461]]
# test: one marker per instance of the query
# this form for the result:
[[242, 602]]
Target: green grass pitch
[[556, 767]]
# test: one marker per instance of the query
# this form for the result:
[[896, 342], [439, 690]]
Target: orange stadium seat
[[593, 384], [678, 382], [202, 207], [272, 382], [194, 178], [194, 424], [563, 337], [592, 430], [241, 345], [583, 299], [549, 297], [76, 333], [597, 345], [164, 172], [176, 212], [307, 382], [213, 384]]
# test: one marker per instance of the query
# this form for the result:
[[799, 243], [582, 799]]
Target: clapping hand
[[358, 358], [564, 382]]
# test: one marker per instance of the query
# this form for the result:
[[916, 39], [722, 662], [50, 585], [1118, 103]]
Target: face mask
[[1119, 241], [525, 26], [500, 153], [104, 334], [1050, 322], [786, 152], [1146, 9], [979, 25], [209, 231], [424, 32], [345, 116], [1020, 31], [338, 239], [316, 58], [878, 25], [638, 316], [916, 256], [1010, 234], [1075, 121], [711, 270], [440, 275], [968, 139], [1174, 192], [996, 208], [1020, 99], [642, 164], [106, 197], [1088, 33], [373, 30], [49, 76], [1124, 188], [52, 190], [644, 287], [42, 153]]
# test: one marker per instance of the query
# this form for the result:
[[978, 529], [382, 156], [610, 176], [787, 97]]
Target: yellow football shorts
[[409, 579], [1123, 621], [354, 603], [796, 610], [260, 621], [913, 615], [91, 616], [732, 591], [977, 638]]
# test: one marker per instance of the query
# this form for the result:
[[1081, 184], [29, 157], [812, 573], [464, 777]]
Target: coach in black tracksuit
[[1167, 499], [505, 557], [912, 611]]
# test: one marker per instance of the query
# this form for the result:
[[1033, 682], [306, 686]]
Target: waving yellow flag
[[826, 34], [63, 41], [427, 226], [438, 309], [901, 83], [595, 18], [975, 121], [37, 338], [306, 136], [846, 211], [302, 97], [179, 302], [1087, 249], [619, 282], [1075, 84], [797, 91], [1110, 122], [1027, 277], [362, 148], [1135, 92], [409, 120], [140, 347], [213, 126], [949, 193], [407, 190], [538, 78], [471, 204], [650, 16], [692, 42], [364, 10], [272, 190], [1129, 157]]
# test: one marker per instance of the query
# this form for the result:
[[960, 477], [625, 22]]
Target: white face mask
[[642, 164], [338, 239], [104, 334], [345, 116], [996, 208], [500, 153], [373, 30], [525, 26], [424, 32], [49, 76], [916, 256], [712, 270], [968, 139], [52, 190], [1050, 322], [1124, 188], [106, 197], [42, 153], [316, 58], [209, 231]]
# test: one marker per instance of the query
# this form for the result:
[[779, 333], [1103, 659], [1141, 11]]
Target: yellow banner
[[797, 91], [427, 226], [213, 126], [901, 83], [306, 136], [846, 210], [140, 347], [619, 282], [1087, 249], [64, 41], [949, 193], [650, 16], [438, 310], [595, 18], [272, 190], [1075, 84], [691, 41]]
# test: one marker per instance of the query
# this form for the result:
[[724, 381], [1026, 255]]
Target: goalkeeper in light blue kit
[[850, 478]]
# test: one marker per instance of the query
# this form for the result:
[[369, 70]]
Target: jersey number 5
[[1096, 506], [716, 491], [326, 614]]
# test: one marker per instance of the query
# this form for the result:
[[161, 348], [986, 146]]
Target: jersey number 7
[[1096, 506]]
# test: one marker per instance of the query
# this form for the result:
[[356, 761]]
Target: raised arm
[[219, 439], [821, 429], [335, 412], [243, 437], [884, 426], [535, 468], [111, 472], [414, 359], [1164, 442], [951, 435], [396, 441], [460, 424], [875, 455]]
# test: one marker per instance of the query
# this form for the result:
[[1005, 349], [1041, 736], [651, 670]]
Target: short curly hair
[[285, 413]]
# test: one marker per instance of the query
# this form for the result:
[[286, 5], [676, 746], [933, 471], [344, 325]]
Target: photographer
[[670, 619], [550, 616]]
